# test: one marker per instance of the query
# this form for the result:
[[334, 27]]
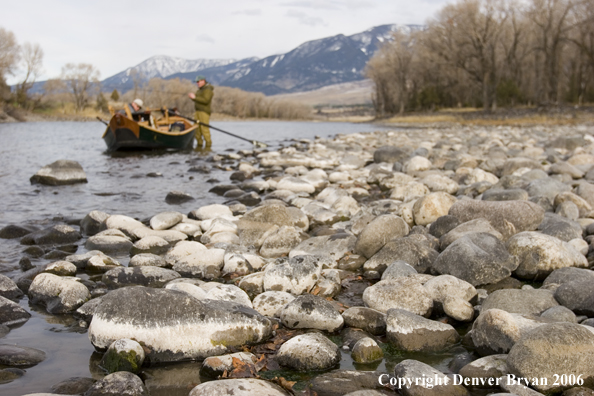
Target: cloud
[[305, 19], [205, 38], [331, 4], [250, 12]]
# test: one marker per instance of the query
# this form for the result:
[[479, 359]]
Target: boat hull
[[123, 133]]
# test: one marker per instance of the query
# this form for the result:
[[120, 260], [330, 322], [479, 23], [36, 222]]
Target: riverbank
[[408, 254]]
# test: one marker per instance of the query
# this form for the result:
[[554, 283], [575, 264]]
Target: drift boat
[[142, 131]]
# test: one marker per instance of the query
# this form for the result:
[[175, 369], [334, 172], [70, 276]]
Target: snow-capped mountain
[[160, 66], [312, 65]]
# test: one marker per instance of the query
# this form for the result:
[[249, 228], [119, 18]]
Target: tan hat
[[139, 102]]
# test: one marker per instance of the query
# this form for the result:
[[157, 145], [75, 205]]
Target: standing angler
[[202, 99]]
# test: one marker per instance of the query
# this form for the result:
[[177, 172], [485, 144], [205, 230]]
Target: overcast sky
[[114, 35]]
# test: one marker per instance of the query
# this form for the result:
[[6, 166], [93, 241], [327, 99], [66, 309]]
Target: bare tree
[[9, 57], [81, 79], [32, 61], [550, 19]]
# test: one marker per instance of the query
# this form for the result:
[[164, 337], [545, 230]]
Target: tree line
[[489, 53]]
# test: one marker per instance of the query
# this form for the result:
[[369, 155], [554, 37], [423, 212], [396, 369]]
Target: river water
[[117, 184]]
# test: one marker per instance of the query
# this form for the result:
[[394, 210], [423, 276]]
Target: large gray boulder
[[560, 227], [552, 350], [58, 294], [507, 217], [402, 293], [60, 234], [577, 296], [311, 312], [414, 333], [569, 274], [479, 259], [118, 384], [150, 316], [485, 371], [93, 222], [9, 289], [541, 254], [548, 188], [307, 352], [409, 374], [12, 313], [238, 387], [377, 233], [496, 331], [59, 173], [520, 301], [470, 227], [13, 355]]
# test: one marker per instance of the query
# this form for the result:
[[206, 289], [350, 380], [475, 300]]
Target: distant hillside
[[343, 94]]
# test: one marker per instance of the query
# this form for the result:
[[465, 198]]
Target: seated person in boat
[[134, 110]]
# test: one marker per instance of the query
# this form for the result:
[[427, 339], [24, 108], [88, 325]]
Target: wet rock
[[87, 310], [9, 289], [4, 330], [577, 296], [123, 355], [178, 197], [59, 173], [109, 244], [73, 386], [117, 384], [61, 268], [410, 332], [93, 223], [478, 259], [335, 246], [297, 275], [367, 319], [485, 368], [308, 352], [11, 313], [540, 254], [270, 303], [238, 387], [546, 349], [378, 232], [215, 366], [206, 264], [409, 370], [147, 259], [507, 217], [10, 374], [419, 255], [525, 301], [57, 235], [366, 350], [141, 276], [311, 312], [13, 231], [432, 206], [18, 356], [402, 293], [149, 316], [496, 331], [59, 295]]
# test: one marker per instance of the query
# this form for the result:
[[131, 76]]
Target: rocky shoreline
[[469, 239]]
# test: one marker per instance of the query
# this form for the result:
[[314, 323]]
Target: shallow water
[[118, 184]]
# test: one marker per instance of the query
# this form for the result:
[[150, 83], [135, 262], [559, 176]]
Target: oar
[[254, 142], [103, 121]]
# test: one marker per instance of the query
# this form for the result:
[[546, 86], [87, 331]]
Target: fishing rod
[[254, 142]]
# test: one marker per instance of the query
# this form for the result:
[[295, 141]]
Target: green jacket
[[203, 98]]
